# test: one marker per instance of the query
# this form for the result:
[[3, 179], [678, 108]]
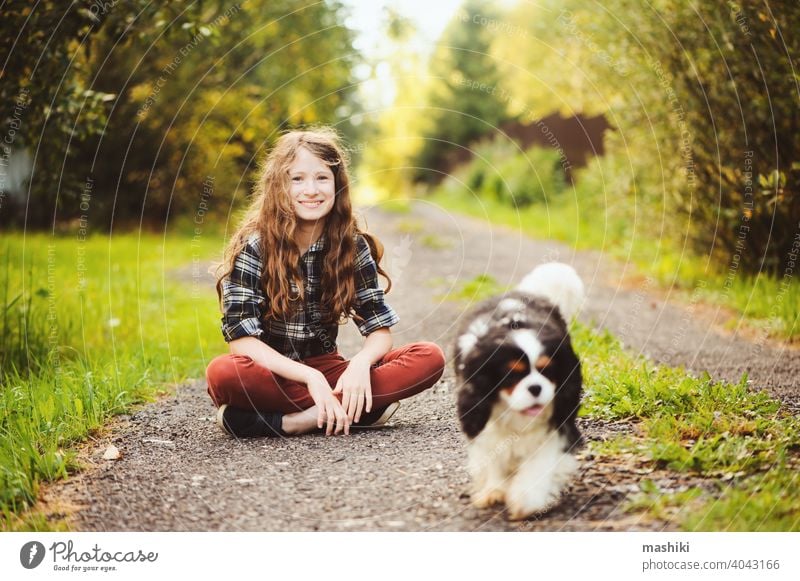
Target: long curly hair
[[271, 217]]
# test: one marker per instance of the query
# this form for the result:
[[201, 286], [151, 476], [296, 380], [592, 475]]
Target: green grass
[[665, 506], [434, 242], [763, 503], [741, 439], [91, 328], [409, 226], [396, 206], [770, 305], [476, 289]]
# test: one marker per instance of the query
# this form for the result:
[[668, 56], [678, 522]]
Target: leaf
[[48, 409], [112, 453]]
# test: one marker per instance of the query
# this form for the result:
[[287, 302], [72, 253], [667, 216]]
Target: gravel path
[[178, 472]]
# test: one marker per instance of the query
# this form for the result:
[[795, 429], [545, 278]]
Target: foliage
[[166, 97], [476, 289], [702, 97], [765, 502], [695, 425], [601, 212], [396, 133], [463, 102], [500, 171], [48, 102]]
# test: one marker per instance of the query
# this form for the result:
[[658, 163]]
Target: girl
[[296, 267]]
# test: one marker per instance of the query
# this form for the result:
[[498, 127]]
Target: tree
[[703, 98], [464, 99], [157, 97], [47, 100]]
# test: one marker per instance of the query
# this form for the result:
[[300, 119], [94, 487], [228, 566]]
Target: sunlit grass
[[91, 327], [741, 439], [476, 289]]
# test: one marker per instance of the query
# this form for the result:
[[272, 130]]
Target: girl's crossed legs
[[237, 381]]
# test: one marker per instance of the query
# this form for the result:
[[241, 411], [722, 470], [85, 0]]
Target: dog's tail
[[558, 283]]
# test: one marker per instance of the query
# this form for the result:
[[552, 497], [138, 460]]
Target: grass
[[694, 425], [396, 206], [434, 242], [665, 506], [407, 226], [90, 328], [763, 503], [476, 289], [772, 306]]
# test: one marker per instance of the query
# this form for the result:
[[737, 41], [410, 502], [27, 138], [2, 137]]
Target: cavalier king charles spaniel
[[520, 390]]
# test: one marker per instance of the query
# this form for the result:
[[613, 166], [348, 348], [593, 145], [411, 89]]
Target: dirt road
[[178, 472]]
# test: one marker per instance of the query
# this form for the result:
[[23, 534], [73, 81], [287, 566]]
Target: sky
[[429, 18]]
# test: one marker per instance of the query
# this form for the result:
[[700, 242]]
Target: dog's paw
[[487, 498], [520, 511], [517, 514]]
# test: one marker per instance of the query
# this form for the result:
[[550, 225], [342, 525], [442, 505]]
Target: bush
[[703, 99], [501, 172]]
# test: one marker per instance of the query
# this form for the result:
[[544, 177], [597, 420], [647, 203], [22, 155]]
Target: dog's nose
[[535, 390]]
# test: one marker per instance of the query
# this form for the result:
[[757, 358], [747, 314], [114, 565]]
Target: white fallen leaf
[[112, 453]]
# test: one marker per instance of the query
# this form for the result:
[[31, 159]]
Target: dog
[[520, 390]]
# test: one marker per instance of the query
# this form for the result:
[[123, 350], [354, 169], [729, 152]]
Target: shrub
[[500, 171]]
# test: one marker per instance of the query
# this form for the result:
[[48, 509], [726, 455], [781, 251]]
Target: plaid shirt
[[302, 335]]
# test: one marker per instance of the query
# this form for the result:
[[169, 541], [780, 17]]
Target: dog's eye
[[543, 362], [517, 366]]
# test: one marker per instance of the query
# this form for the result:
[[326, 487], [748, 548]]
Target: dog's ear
[[474, 409], [484, 358], [569, 385]]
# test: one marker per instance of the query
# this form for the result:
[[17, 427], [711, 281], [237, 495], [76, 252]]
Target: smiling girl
[[297, 267]]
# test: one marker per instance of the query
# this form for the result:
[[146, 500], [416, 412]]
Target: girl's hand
[[354, 385], [330, 410]]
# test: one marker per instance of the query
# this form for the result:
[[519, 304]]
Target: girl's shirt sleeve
[[370, 306], [242, 297]]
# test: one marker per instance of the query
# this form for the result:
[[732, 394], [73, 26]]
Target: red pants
[[237, 381]]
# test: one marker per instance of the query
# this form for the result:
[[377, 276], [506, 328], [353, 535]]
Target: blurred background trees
[[463, 99], [130, 107], [702, 102], [133, 106]]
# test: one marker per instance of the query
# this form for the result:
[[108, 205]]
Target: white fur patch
[[479, 327], [521, 461], [510, 305], [466, 342], [529, 343], [558, 283]]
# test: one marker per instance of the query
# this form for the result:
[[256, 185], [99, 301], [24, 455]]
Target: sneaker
[[249, 423], [377, 418]]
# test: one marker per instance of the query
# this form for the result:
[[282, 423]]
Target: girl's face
[[312, 188]]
